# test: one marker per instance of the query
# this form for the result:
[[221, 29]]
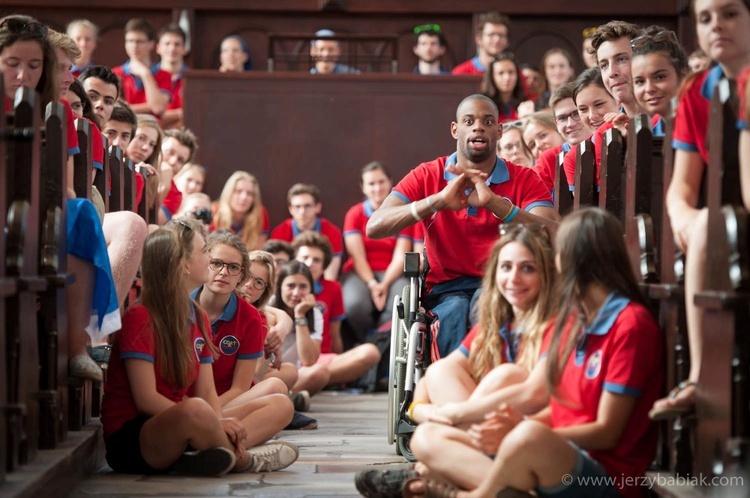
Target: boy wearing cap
[[325, 52]]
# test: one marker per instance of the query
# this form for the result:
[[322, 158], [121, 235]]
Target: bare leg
[[450, 455], [447, 381], [262, 417], [267, 387], [499, 377], [531, 455], [312, 379], [353, 364], [125, 233], [695, 281], [287, 373], [166, 435]]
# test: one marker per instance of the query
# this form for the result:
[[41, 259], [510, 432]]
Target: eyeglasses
[[18, 25], [280, 262], [257, 283], [662, 36], [563, 118], [589, 32], [218, 265], [428, 27]]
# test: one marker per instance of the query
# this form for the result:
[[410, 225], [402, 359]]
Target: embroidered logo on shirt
[[199, 344], [322, 307], [594, 365], [229, 345]]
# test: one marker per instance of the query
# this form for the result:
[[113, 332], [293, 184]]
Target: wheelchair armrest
[[411, 264]]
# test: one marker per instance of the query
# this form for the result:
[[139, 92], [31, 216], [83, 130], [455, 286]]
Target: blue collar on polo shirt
[[175, 77], [317, 287], [368, 208], [139, 82], [658, 129], [296, 230], [613, 306], [478, 64], [230, 310], [566, 147], [512, 340], [499, 174], [715, 74]]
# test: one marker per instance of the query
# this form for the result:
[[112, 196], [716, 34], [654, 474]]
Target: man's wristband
[[414, 213], [432, 206]]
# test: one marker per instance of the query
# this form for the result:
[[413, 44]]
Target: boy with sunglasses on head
[[429, 46]]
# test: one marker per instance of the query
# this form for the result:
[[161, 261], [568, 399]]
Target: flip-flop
[[432, 489], [669, 412]]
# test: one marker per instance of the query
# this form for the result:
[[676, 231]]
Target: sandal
[[432, 489], [672, 411]]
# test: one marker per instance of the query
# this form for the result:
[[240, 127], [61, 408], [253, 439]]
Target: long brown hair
[[591, 250], [494, 311], [264, 259], [163, 295], [252, 221], [17, 28]]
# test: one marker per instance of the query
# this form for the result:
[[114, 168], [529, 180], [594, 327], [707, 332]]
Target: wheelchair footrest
[[405, 427]]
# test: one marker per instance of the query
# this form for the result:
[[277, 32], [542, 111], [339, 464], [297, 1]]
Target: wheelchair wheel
[[393, 407], [404, 449]]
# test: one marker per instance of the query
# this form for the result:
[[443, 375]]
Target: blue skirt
[[86, 241]]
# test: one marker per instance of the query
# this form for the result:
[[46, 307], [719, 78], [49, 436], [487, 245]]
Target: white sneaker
[[272, 456]]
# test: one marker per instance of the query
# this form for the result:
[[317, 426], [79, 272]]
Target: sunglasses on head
[[507, 229], [662, 36], [428, 27], [589, 32]]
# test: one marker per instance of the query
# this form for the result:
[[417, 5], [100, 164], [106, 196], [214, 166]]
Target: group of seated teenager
[[556, 386], [282, 313]]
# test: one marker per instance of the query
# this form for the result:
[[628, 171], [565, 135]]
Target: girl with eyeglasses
[[241, 210], [723, 29], [604, 370], [160, 399], [238, 332]]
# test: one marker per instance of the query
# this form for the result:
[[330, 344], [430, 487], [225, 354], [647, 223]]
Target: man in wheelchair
[[461, 200]]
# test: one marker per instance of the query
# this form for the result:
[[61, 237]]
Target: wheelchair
[[409, 356]]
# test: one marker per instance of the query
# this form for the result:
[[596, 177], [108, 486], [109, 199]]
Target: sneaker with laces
[[383, 483], [301, 423], [213, 462], [272, 456], [301, 401]]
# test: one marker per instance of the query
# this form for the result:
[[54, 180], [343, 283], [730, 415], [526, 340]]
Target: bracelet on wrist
[[431, 205], [301, 322], [372, 283], [513, 213], [410, 411], [414, 213]]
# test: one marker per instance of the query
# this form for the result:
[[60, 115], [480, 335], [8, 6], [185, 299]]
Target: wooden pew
[[585, 191], [8, 288], [562, 196], [83, 160], [723, 430], [129, 185], [611, 173], [22, 253], [114, 159], [102, 180], [53, 318]]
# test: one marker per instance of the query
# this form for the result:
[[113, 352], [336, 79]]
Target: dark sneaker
[[301, 401], [212, 462], [275, 455], [301, 423], [383, 483]]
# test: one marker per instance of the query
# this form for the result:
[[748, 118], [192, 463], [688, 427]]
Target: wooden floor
[[351, 435]]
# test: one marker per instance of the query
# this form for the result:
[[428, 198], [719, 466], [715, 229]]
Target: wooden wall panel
[[289, 127]]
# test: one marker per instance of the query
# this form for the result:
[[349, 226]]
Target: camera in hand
[[203, 215]]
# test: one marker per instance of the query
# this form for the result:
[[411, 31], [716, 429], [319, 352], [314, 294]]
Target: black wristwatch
[[302, 322]]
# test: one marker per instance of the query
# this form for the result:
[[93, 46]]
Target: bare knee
[[275, 385], [504, 375], [527, 437], [196, 414], [368, 354], [427, 440]]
